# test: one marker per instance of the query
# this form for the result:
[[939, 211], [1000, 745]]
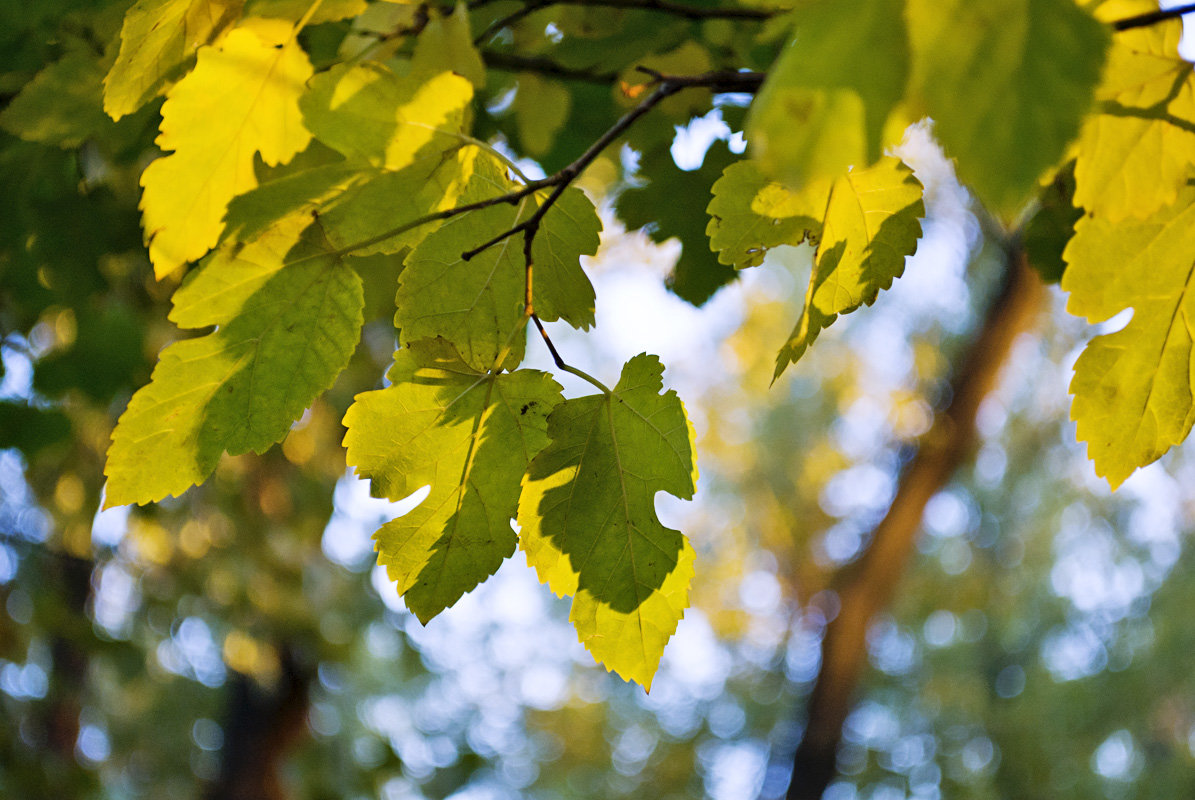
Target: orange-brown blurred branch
[[868, 586]]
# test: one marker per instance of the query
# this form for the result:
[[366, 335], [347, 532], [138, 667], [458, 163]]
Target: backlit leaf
[[872, 224], [60, 106], [158, 37], [367, 112], [825, 101], [467, 434], [241, 100], [751, 214], [1133, 388], [588, 519], [477, 304], [446, 44], [1137, 153], [1007, 83], [282, 336]]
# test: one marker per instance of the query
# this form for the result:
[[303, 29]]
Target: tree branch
[[663, 6], [513, 62], [1152, 18], [867, 587]]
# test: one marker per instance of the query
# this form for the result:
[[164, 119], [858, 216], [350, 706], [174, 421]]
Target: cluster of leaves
[[306, 143]]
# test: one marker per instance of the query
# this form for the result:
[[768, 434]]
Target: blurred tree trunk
[[261, 726], [867, 587]]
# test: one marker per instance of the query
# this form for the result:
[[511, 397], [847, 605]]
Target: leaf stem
[[560, 364]]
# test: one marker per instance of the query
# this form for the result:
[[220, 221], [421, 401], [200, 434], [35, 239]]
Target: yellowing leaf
[[1007, 83], [240, 100], [1138, 152], [467, 434], [367, 112], [1133, 389], [751, 214], [282, 336], [825, 101], [158, 37], [588, 519], [872, 224], [477, 304]]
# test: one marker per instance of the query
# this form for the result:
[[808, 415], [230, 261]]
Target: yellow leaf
[[1136, 155], [157, 37], [1134, 389], [241, 99]]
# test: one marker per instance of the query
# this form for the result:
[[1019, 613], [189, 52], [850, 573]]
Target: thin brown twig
[[1152, 17], [662, 6], [513, 62]]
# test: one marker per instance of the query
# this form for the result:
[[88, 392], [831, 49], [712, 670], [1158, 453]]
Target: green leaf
[[477, 305], [60, 106], [240, 101], [467, 434], [825, 102], [294, 10], [1133, 388], [541, 108], [1047, 234], [288, 318], [446, 44], [872, 224], [1139, 151], [1007, 83], [589, 524], [751, 214], [157, 39], [368, 113], [670, 205]]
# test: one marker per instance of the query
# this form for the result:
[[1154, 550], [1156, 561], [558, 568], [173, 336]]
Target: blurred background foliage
[[238, 641]]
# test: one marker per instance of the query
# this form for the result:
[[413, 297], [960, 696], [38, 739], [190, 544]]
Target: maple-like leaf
[[1133, 389], [751, 214], [157, 38], [1137, 153], [287, 317], [241, 100], [872, 224], [467, 434], [588, 519], [477, 303]]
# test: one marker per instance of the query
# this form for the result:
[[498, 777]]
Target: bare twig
[[513, 62], [1152, 18]]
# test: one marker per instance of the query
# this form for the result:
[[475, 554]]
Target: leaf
[[751, 214], [541, 108], [825, 102], [1047, 233], [282, 336], [477, 305], [588, 520], [158, 37], [368, 113], [1136, 155], [295, 10], [446, 44], [871, 226], [669, 205], [1007, 83], [240, 100], [469, 435], [1133, 388], [60, 106]]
